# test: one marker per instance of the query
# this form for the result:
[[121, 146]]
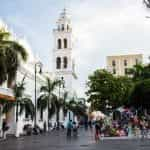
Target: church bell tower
[[63, 66]]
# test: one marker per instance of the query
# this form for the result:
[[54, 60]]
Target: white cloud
[[23, 41], [101, 28], [108, 28]]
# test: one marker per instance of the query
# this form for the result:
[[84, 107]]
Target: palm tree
[[48, 97], [64, 105], [3, 71], [10, 56], [27, 106], [24, 103], [78, 108], [147, 3], [58, 103]]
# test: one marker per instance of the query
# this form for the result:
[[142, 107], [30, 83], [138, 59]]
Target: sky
[[100, 28]]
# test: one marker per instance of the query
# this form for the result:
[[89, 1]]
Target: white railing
[[6, 91]]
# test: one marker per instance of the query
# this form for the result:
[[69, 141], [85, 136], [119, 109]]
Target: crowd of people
[[131, 126]]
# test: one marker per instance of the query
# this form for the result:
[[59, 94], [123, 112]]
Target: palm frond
[[4, 35], [27, 106], [44, 89], [3, 70], [42, 102]]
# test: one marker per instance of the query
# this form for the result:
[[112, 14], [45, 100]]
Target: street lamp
[[37, 64]]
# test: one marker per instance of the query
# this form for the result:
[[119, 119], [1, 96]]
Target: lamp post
[[39, 64]]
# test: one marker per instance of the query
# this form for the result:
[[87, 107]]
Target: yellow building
[[119, 64]]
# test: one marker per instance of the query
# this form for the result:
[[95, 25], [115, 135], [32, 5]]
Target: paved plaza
[[57, 140]]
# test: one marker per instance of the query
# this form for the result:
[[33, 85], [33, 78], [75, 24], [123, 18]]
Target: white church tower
[[63, 66]]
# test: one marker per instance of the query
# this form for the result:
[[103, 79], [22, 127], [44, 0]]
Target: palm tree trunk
[[17, 112], [48, 112], [57, 117]]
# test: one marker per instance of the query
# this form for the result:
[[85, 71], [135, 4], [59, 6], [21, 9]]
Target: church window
[[59, 43], [65, 62], [58, 63], [125, 62], [113, 63], [65, 43], [137, 61], [62, 27], [67, 27], [126, 71], [58, 28], [114, 71]]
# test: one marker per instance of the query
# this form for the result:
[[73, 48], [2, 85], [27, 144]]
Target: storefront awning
[[6, 97]]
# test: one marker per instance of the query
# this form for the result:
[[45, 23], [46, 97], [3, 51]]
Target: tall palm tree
[[3, 71], [24, 103], [48, 97], [58, 103], [147, 3], [11, 53], [64, 103], [27, 106]]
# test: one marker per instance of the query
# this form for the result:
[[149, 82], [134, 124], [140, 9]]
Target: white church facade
[[63, 65], [63, 62]]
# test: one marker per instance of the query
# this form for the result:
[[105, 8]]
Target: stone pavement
[[57, 140]]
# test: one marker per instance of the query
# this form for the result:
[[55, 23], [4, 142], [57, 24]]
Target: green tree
[[11, 53], [59, 102], [139, 72], [104, 87], [147, 3], [25, 104], [64, 103], [140, 96], [77, 107], [47, 98]]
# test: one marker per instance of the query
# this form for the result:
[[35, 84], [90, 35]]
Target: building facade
[[63, 63], [26, 71], [119, 64]]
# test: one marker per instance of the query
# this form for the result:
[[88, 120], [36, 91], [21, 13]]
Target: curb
[[121, 138]]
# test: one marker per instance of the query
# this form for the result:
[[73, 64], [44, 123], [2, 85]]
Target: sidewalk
[[122, 138]]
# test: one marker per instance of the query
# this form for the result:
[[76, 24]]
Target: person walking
[[75, 129], [97, 131], [69, 128], [4, 128]]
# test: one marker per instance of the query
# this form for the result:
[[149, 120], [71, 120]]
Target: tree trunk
[[57, 117], [17, 112]]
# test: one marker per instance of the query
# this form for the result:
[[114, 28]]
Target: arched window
[[58, 62], [65, 43], [59, 43], [113, 63], [58, 27], [65, 62], [62, 27], [67, 27]]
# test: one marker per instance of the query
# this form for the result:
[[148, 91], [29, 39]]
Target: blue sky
[[100, 28]]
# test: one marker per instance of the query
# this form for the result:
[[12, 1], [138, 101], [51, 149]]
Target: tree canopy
[[11, 53], [104, 87]]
